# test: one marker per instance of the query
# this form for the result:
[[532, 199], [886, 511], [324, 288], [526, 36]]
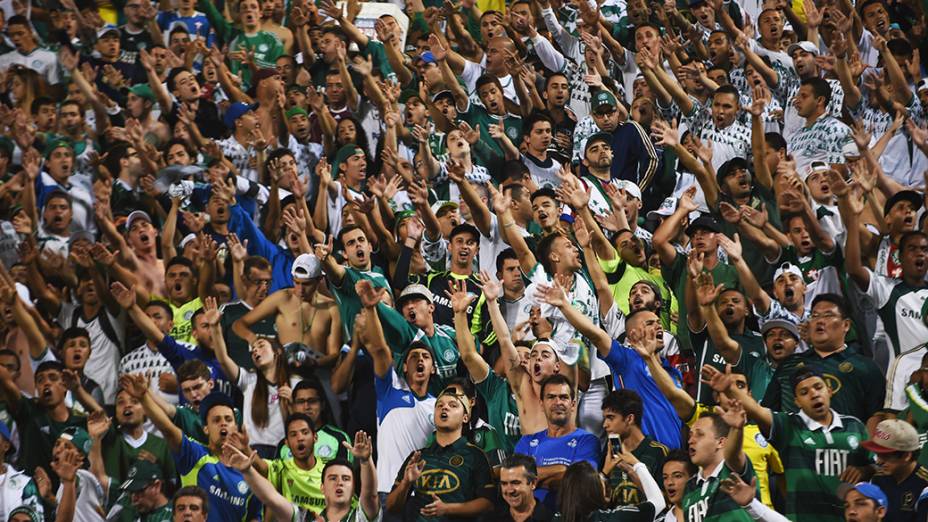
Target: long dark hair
[[259, 400], [581, 492]]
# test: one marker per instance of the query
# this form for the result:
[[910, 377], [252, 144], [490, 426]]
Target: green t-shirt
[[703, 501], [706, 353], [857, 384], [266, 46], [328, 445], [624, 491], [38, 433], [812, 264], [502, 409], [814, 459], [759, 371], [119, 455], [300, 486], [459, 472], [347, 299], [675, 275], [487, 151]]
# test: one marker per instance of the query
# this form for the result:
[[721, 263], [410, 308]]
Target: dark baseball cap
[[140, 475], [703, 222]]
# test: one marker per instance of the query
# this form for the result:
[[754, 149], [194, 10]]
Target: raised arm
[[502, 204], [752, 288], [850, 207], [460, 301], [555, 296], [706, 295], [137, 386], [126, 298], [723, 383], [375, 341], [213, 317], [671, 226], [369, 500], [275, 503], [682, 402]]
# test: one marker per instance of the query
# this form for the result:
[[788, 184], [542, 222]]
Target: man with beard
[[820, 448], [147, 360], [176, 352], [183, 85], [628, 368], [198, 464], [301, 314], [42, 419], [405, 408], [561, 443], [122, 162]]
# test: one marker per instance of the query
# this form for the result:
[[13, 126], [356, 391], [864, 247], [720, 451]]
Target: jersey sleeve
[[484, 487], [190, 453], [618, 357], [880, 288], [779, 430], [172, 351]]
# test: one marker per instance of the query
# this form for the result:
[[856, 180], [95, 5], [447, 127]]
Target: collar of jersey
[[814, 425]]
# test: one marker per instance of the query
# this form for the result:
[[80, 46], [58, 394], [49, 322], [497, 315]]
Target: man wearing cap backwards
[[899, 475], [857, 384], [405, 408], [239, 147], [819, 446], [789, 288], [301, 314], [901, 299], [15, 485], [198, 464]]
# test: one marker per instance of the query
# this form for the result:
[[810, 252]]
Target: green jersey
[[703, 501], [814, 456], [400, 334], [624, 491], [347, 299], [487, 149], [814, 264], [189, 422], [458, 472], [38, 432], [857, 384], [759, 371], [750, 341], [675, 275], [487, 439], [502, 409], [119, 454], [266, 46], [300, 486]]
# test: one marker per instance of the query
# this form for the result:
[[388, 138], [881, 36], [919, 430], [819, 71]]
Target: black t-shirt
[[134, 42], [207, 119]]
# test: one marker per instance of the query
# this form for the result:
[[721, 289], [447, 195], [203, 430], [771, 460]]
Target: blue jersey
[[553, 451], [177, 354], [230, 499], [198, 24], [660, 419]]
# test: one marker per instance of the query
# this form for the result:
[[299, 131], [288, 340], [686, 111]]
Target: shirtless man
[[138, 250], [269, 10], [303, 315]]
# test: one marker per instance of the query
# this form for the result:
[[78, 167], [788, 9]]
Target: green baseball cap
[[141, 474], [143, 90], [296, 110], [79, 437], [58, 143], [343, 154], [603, 99]]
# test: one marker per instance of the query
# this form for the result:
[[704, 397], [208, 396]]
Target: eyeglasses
[[825, 317], [260, 282]]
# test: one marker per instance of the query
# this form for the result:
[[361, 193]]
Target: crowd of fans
[[530, 260]]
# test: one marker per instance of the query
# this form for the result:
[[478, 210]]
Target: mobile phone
[[616, 444]]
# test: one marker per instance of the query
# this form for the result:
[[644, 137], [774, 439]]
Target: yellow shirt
[[183, 326], [763, 456]]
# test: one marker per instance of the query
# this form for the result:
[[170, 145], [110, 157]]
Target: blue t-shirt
[[553, 451], [197, 24], [230, 499], [660, 419], [177, 354]]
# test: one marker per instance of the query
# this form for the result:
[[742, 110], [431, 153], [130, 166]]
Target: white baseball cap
[[306, 266]]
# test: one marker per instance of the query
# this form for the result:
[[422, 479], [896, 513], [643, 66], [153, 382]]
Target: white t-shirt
[[273, 432], [90, 498], [39, 60], [151, 363], [103, 363]]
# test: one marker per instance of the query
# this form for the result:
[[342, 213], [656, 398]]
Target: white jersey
[[404, 423]]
